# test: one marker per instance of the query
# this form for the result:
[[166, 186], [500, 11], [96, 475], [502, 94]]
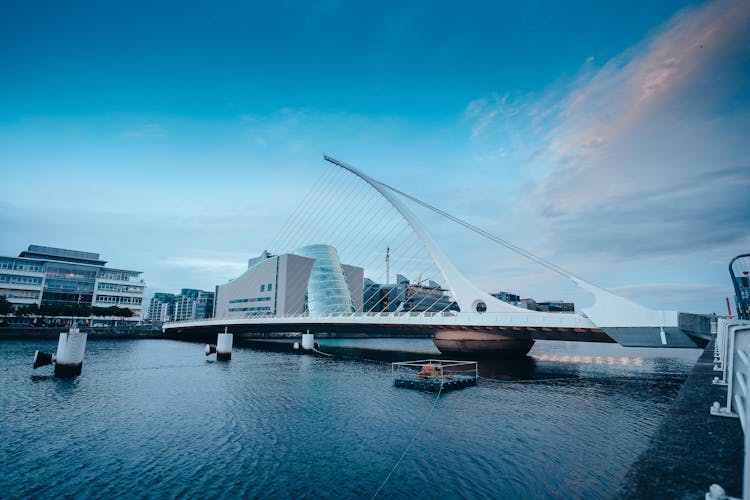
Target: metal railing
[[732, 359], [439, 370]]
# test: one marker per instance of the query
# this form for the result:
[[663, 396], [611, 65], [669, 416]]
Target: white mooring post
[[308, 341], [71, 346], [224, 346], [70, 350]]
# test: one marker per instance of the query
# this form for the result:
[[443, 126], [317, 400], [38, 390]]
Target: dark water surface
[[153, 418]]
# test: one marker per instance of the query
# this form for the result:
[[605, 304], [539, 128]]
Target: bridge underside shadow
[[455, 339]]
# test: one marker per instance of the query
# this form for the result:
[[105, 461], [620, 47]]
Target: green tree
[[27, 310], [119, 312], [5, 306]]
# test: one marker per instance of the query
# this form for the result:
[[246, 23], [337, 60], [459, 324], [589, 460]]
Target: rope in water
[[323, 353], [434, 404], [524, 381]]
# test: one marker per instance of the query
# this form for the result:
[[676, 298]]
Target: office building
[[311, 280], [510, 298], [193, 304], [55, 276], [547, 306], [404, 296], [161, 307], [189, 305]]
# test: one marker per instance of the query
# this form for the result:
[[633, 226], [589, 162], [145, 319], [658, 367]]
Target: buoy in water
[[210, 349]]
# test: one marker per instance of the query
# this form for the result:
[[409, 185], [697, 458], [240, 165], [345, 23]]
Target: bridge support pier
[[481, 344]]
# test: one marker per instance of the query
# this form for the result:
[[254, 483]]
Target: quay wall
[[115, 332], [691, 449]]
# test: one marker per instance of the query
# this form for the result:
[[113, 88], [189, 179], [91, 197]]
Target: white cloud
[[205, 264], [641, 159]]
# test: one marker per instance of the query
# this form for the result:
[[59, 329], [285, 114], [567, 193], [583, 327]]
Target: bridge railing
[[732, 359]]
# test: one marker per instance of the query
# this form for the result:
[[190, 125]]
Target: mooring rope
[[434, 404], [524, 381], [323, 353]]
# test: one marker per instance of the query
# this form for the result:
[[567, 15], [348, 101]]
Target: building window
[[269, 287], [262, 288]]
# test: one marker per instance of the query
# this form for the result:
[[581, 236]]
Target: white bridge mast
[[608, 309], [468, 297]]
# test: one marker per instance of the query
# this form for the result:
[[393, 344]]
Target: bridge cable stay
[[466, 294], [306, 212], [413, 247], [608, 308], [315, 198], [634, 312], [552, 267], [325, 197], [346, 204], [358, 217], [293, 220]]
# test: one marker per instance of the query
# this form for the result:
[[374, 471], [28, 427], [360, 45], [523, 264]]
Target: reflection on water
[[155, 418], [599, 360]]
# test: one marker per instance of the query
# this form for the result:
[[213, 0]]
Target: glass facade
[[69, 283], [68, 277], [14, 279], [327, 291], [21, 265]]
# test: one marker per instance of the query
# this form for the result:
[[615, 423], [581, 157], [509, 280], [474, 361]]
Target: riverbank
[[114, 332], [691, 449]]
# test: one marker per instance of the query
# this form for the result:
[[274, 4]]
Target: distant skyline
[[175, 138]]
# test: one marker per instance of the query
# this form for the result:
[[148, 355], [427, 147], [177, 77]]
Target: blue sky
[[174, 138]]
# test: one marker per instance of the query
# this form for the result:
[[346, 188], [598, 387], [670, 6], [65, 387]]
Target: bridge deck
[[520, 327]]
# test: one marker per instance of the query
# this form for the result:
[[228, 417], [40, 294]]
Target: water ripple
[[156, 419]]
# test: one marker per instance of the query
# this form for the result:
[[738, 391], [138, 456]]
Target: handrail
[[732, 358], [742, 309]]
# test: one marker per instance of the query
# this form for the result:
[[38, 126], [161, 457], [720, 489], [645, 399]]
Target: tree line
[[79, 310]]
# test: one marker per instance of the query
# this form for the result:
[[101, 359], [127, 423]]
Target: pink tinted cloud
[[631, 87]]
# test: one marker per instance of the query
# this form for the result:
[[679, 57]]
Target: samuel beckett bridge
[[350, 217]]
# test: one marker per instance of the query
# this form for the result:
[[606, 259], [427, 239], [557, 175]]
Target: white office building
[[44, 275]]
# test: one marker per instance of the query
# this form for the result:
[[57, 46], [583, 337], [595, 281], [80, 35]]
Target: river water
[[155, 418]]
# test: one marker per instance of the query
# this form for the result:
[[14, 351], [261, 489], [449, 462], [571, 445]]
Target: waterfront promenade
[[691, 448]]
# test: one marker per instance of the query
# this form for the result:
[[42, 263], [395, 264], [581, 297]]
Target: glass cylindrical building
[[327, 291]]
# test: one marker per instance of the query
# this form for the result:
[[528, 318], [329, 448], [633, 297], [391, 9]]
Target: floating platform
[[434, 375]]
